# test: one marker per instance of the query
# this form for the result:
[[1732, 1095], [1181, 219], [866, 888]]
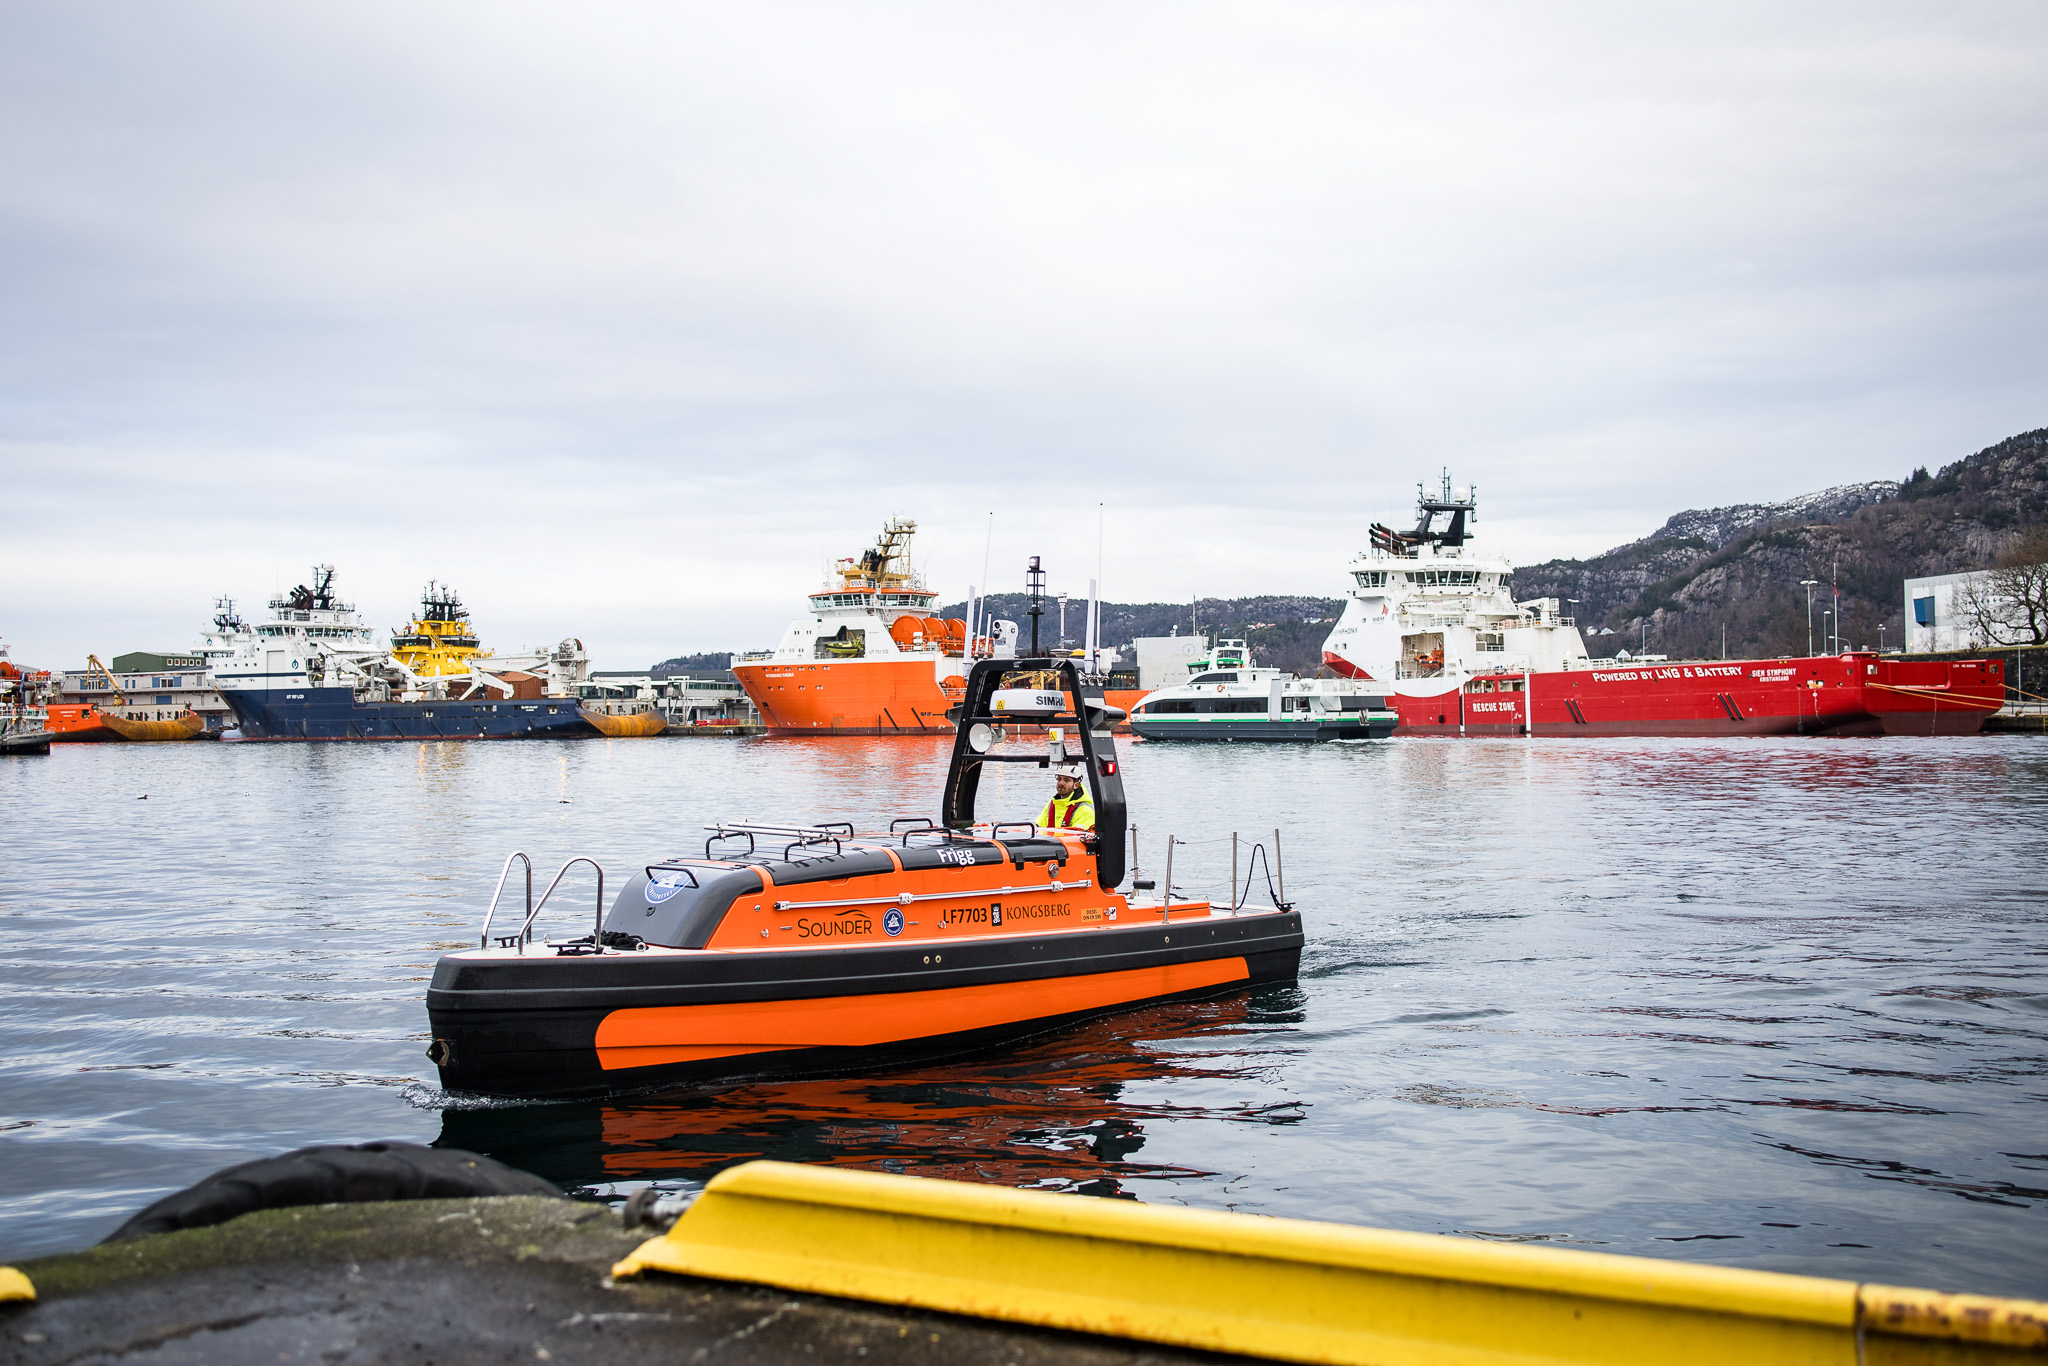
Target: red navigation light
[[1109, 768]]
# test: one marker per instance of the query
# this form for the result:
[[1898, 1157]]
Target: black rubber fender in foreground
[[331, 1175]]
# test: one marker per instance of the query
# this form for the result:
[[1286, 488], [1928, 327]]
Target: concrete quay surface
[[497, 1279]]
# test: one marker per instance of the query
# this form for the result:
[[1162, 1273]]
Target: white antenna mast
[[987, 541]]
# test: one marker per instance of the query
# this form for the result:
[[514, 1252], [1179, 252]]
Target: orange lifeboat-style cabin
[[810, 949]]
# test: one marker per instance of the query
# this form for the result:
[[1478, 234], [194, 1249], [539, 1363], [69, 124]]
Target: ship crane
[[94, 669]]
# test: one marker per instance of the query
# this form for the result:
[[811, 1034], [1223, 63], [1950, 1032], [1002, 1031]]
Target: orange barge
[[75, 722]]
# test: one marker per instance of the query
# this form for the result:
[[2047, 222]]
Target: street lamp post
[[1808, 585]]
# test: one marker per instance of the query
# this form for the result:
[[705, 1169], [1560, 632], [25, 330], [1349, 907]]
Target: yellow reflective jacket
[[1068, 813]]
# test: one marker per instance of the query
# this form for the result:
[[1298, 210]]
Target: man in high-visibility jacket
[[1070, 808]]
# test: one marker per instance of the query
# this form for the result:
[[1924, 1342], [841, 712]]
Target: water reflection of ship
[[1056, 1116]]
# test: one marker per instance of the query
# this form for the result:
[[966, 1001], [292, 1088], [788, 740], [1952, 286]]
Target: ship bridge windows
[[913, 601], [1370, 578], [1202, 706], [1444, 578]]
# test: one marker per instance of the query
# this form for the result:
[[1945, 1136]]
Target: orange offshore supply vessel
[[870, 659]]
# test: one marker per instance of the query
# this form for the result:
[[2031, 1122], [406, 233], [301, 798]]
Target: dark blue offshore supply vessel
[[317, 671]]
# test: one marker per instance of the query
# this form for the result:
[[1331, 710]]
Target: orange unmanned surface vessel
[[826, 951]]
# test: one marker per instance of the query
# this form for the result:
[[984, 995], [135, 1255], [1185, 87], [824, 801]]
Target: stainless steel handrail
[[912, 898], [597, 931], [483, 938]]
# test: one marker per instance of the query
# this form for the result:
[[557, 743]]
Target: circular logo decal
[[892, 922], [667, 885]]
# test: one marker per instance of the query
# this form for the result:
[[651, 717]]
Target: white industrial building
[[1163, 660], [1935, 620]]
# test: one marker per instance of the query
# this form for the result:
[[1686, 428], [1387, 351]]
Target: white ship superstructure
[[1423, 613], [315, 640], [310, 632]]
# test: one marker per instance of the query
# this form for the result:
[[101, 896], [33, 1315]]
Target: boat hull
[[315, 713], [865, 696], [1256, 728], [627, 725], [850, 697], [1857, 694], [85, 723], [574, 1026]]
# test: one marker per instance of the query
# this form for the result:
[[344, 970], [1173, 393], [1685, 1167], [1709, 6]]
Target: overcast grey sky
[[627, 318]]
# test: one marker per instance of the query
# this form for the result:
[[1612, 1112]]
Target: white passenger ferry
[[1227, 698]]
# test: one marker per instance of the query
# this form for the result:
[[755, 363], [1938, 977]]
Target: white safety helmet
[[1068, 771]]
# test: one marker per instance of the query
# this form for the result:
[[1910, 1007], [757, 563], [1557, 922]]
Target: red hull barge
[[1437, 626], [1852, 694]]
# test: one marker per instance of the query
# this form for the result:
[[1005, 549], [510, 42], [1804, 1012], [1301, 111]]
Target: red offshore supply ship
[[1438, 626], [870, 659]]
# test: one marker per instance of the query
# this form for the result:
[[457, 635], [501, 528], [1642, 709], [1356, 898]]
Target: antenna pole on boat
[[1166, 887], [1034, 584], [1279, 866], [1233, 872], [1094, 630], [988, 540]]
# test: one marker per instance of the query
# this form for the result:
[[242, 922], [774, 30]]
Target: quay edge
[[879, 1268], [493, 1279]]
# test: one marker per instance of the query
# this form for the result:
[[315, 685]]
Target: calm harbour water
[[1778, 1004]]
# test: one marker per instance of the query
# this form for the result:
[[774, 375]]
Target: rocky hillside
[[717, 664], [1284, 632], [1705, 575], [1737, 569]]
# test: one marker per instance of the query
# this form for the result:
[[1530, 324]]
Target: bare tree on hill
[[2008, 604]]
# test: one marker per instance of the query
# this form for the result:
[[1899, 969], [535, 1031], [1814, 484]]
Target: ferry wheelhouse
[[1436, 624]]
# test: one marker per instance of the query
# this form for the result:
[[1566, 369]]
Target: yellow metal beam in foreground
[[1297, 1290], [14, 1285]]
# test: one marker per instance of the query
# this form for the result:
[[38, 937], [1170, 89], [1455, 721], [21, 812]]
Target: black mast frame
[[1097, 756]]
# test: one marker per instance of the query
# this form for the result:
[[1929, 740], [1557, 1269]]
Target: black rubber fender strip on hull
[[622, 981], [543, 1042], [557, 1054]]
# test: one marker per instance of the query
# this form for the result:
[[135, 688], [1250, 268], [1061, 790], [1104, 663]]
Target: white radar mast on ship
[[1424, 613]]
